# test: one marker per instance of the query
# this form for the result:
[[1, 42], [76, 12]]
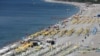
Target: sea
[[20, 18]]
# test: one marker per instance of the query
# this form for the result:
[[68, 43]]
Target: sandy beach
[[90, 13], [74, 36]]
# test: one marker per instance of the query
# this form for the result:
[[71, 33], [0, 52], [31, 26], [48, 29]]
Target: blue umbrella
[[94, 30]]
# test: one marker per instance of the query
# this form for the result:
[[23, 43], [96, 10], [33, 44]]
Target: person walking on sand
[[85, 37], [99, 25], [82, 40]]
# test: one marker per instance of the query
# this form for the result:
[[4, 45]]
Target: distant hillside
[[93, 1]]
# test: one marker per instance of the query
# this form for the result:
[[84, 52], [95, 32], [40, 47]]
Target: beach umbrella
[[46, 33], [79, 21], [95, 21], [86, 31], [92, 21], [79, 31], [53, 32], [23, 47], [83, 21], [18, 49], [94, 30], [70, 50], [42, 31], [60, 34], [89, 21], [35, 35], [26, 46], [69, 33], [76, 17], [37, 48], [74, 21], [98, 21], [63, 32]]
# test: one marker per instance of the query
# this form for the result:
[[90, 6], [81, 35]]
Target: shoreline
[[51, 1], [76, 4], [9, 46], [79, 5], [79, 24], [70, 3]]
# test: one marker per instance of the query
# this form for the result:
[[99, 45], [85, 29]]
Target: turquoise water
[[19, 18]]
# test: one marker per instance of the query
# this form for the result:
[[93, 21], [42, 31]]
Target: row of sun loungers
[[83, 21]]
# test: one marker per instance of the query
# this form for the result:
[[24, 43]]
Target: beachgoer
[[82, 40], [85, 37], [87, 34], [99, 25]]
